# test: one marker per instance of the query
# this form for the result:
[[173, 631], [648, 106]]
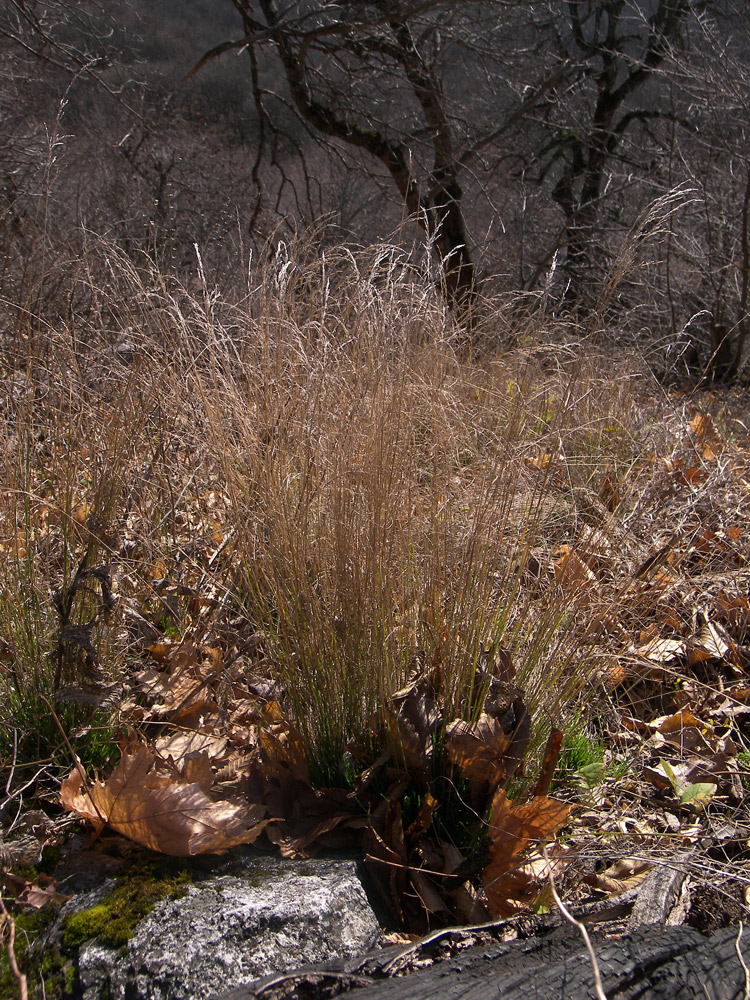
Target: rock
[[259, 915]]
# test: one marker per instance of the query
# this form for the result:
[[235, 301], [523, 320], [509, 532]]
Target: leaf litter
[[212, 760], [218, 776]]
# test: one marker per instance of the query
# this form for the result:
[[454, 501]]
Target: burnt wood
[[664, 963]]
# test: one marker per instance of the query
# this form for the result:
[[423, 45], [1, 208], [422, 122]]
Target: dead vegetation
[[300, 570]]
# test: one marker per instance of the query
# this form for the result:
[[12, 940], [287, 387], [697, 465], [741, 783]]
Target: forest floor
[[301, 573]]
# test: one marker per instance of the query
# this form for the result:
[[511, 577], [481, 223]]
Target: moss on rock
[[52, 972], [136, 893]]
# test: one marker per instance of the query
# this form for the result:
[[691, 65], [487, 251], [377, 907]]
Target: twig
[[12, 771], [600, 994], [7, 921], [746, 995], [76, 761]]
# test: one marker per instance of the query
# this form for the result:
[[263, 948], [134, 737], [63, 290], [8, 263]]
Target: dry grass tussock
[[318, 459], [321, 463]]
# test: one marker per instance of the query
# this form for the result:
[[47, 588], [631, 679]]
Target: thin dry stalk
[[8, 926]]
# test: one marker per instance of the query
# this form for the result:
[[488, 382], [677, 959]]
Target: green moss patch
[[29, 925], [137, 892], [112, 921]]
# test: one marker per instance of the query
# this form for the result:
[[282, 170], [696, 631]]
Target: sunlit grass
[[323, 457]]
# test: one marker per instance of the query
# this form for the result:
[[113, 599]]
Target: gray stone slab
[[232, 928]]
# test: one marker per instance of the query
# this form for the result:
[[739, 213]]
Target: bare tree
[[513, 132], [74, 35], [708, 267], [390, 78], [619, 50]]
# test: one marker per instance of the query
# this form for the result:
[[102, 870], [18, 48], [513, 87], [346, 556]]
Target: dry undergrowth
[[277, 511]]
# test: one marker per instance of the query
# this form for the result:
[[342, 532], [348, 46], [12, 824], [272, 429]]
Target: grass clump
[[318, 463], [276, 508], [320, 459], [386, 494]]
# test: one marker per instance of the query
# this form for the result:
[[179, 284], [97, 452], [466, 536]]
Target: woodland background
[[530, 144]]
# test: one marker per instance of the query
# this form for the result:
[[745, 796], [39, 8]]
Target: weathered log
[[673, 963]]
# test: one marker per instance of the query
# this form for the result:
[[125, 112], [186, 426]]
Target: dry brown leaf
[[197, 769], [428, 894], [696, 655], [609, 493], [35, 894], [511, 893], [513, 828], [570, 568], [541, 461], [549, 762], [180, 745], [168, 691], [398, 939], [312, 839], [424, 819], [573, 575], [686, 475], [161, 650], [713, 642], [200, 714], [614, 883], [477, 749], [699, 424], [684, 731], [282, 744], [615, 676], [702, 425], [734, 610], [163, 813], [387, 861], [75, 798], [468, 905], [656, 776], [414, 717], [662, 650], [534, 874]]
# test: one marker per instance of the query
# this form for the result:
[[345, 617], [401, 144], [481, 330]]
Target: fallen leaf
[[35, 894], [180, 745], [541, 461], [698, 795], [713, 642], [614, 884], [662, 650], [413, 718], [591, 775], [512, 829], [428, 894], [695, 795], [684, 731], [385, 858], [424, 819], [163, 813], [609, 493], [549, 762], [572, 573], [477, 749]]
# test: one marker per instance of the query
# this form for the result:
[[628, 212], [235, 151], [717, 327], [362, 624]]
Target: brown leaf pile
[[427, 804]]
